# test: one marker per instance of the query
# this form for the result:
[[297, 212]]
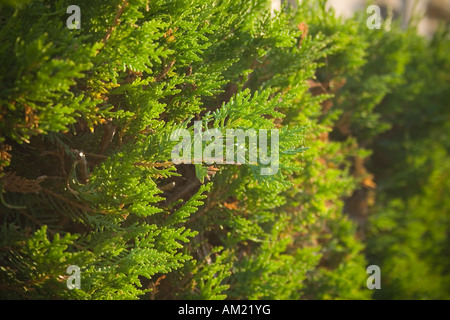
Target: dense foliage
[[87, 177]]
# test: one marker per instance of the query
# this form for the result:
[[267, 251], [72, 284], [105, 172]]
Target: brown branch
[[191, 186], [77, 205], [94, 155], [164, 71], [165, 164], [116, 20]]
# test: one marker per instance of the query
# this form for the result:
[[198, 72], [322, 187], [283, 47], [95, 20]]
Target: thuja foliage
[[87, 177]]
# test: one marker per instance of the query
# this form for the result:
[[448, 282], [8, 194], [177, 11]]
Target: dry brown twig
[[13, 183]]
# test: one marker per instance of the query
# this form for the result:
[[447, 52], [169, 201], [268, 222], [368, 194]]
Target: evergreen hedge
[[87, 176]]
